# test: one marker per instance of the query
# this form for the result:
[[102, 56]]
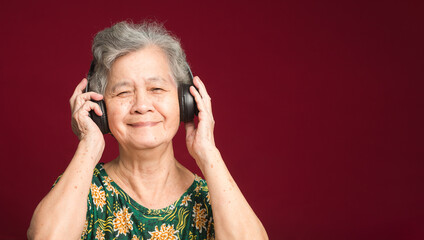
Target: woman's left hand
[[225, 197], [200, 141]]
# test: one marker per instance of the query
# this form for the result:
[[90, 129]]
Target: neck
[[146, 164], [151, 176]]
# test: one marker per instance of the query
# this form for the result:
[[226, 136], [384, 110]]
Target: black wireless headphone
[[188, 106]]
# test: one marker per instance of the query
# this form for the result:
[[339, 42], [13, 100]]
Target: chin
[[147, 146], [148, 143], [143, 139]]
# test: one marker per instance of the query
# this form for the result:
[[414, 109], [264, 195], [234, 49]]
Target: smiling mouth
[[143, 124]]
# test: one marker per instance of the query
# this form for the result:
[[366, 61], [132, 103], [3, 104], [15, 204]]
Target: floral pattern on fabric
[[113, 214], [135, 238], [165, 233], [199, 215], [107, 181], [122, 222], [100, 234], [186, 199], [98, 194]]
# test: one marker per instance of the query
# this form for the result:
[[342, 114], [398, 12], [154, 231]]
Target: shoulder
[[101, 182], [201, 191], [201, 211], [96, 174]]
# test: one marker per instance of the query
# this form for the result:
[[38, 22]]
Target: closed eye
[[123, 93]]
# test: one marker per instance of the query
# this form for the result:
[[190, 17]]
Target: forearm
[[61, 214], [233, 217]]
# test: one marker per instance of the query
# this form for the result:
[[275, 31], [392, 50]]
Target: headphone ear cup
[[101, 121], [188, 106]]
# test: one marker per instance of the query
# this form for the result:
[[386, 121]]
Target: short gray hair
[[125, 37]]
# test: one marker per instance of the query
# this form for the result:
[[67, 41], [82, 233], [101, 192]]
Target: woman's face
[[142, 99]]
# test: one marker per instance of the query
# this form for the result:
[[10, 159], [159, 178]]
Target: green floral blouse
[[113, 214]]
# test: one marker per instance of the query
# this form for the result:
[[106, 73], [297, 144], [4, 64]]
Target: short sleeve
[[88, 225], [87, 232], [57, 180]]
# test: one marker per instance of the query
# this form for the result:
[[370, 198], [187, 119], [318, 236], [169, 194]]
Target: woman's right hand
[[73, 188], [82, 125]]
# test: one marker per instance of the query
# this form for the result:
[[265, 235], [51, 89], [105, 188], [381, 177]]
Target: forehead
[[147, 64]]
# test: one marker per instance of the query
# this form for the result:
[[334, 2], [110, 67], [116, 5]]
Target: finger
[[203, 92], [88, 106], [84, 97], [81, 119], [90, 96], [190, 127], [199, 101], [201, 86], [79, 89]]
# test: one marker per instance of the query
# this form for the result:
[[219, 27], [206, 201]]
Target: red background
[[318, 106]]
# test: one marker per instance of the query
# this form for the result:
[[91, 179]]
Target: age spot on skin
[[211, 165], [75, 187]]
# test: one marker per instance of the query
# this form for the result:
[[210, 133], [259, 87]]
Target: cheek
[[116, 111], [170, 109], [116, 108]]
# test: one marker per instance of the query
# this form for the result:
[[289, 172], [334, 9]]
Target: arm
[[233, 217], [62, 212]]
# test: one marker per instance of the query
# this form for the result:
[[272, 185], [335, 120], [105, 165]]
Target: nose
[[142, 103]]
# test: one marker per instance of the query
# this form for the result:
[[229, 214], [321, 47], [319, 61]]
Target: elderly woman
[[145, 193]]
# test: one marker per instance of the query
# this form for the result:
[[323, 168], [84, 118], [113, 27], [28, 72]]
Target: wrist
[[208, 158], [89, 150]]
